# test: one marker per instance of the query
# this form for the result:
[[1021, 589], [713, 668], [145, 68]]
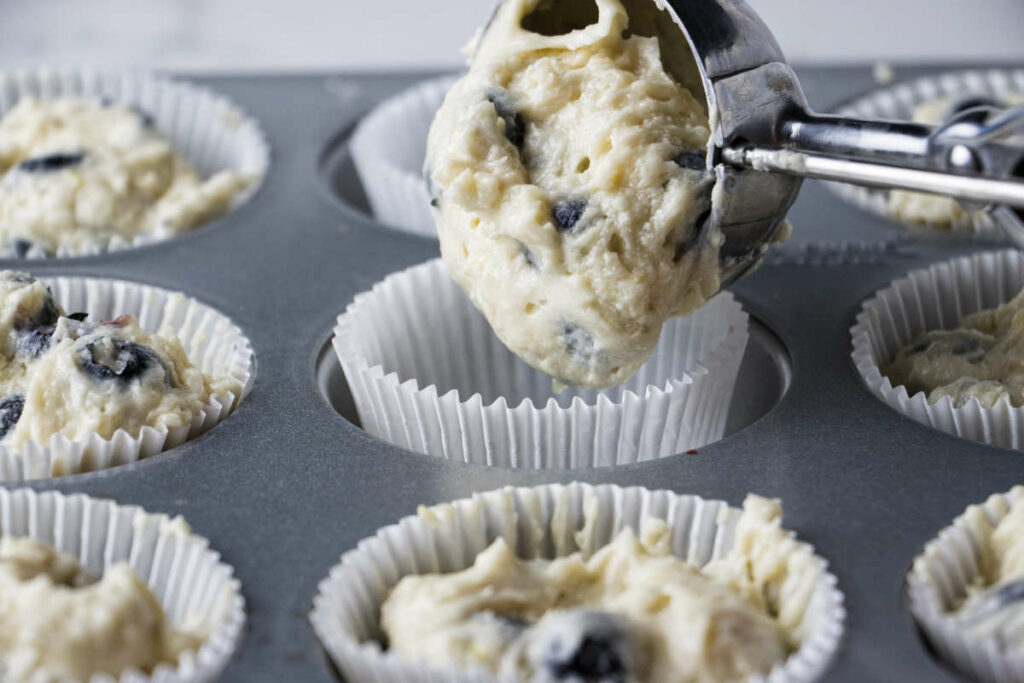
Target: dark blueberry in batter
[[20, 248], [531, 260], [79, 317], [568, 212], [515, 126], [965, 346], [34, 343], [47, 314], [10, 412], [51, 163], [144, 116], [121, 360], [695, 160], [592, 649], [578, 342]]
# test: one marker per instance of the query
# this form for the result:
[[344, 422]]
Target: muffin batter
[[63, 374], [936, 211], [983, 358], [75, 173], [571, 195], [994, 606], [631, 611], [56, 624]]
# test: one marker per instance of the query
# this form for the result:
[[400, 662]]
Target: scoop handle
[[977, 157]]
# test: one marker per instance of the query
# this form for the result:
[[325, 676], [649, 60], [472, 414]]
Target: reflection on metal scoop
[[765, 139]]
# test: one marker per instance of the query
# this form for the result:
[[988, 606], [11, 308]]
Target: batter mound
[[57, 624], [994, 606], [981, 359], [570, 191], [630, 612], [62, 374], [76, 173]]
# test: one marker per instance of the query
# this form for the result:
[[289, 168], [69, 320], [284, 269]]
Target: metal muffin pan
[[287, 484]]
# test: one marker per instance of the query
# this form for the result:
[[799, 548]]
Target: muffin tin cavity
[[376, 168], [207, 129]]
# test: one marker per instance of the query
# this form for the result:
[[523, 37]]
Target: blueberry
[[78, 317], [47, 314], [34, 343], [111, 359], [578, 343], [528, 255], [51, 163], [694, 160], [995, 599], [515, 126], [11, 408], [21, 248], [965, 346], [585, 646], [568, 212], [144, 116]]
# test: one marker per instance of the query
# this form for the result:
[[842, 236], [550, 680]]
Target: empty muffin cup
[[205, 128], [387, 150], [428, 374], [213, 344], [945, 573], [929, 99], [548, 522], [937, 298], [196, 590]]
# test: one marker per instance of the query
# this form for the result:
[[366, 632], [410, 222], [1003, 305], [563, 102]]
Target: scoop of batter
[[982, 359], [57, 624], [571, 195], [631, 612], [63, 374], [76, 173]]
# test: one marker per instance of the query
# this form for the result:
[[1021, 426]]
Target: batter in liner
[[62, 374], [631, 612], [75, 173], [981, 359], [994, 606], [569, 183], [57, 624]]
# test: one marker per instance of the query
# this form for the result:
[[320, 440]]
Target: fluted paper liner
[[937, 298], [387, 150], [212, 342], [428, 374], [207, 129], [897, 102], [195, 588], [538, 522], [939, 580]]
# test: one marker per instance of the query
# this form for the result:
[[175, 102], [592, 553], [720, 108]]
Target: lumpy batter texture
[[75, 173], [981, 359], [571, 195], [931, 210], [57, 624], [994, 606], [63, 374], [631, 612]]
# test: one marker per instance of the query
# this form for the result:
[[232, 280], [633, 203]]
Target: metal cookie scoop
[[765, 139]]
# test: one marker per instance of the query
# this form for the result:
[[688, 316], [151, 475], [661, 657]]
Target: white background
[[247, 35]]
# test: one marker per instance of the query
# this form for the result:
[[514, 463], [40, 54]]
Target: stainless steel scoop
[[765, 139]]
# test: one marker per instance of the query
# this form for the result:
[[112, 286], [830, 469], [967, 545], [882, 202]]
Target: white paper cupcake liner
[[195, 588], [897, 102], [938, 581], [937, 298], [212, 342], [207, 129], [428, 374], [538, 523], [388, 148]]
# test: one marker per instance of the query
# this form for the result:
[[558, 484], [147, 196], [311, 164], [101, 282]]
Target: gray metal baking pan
[[289, 482]]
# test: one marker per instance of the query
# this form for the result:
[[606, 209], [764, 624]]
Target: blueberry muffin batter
[[64, 374], [58, 624], [632, 611], [75, 173], [982, 359], [994, 605], [570, 191]]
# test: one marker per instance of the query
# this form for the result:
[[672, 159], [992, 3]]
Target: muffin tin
[[288, 483]]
